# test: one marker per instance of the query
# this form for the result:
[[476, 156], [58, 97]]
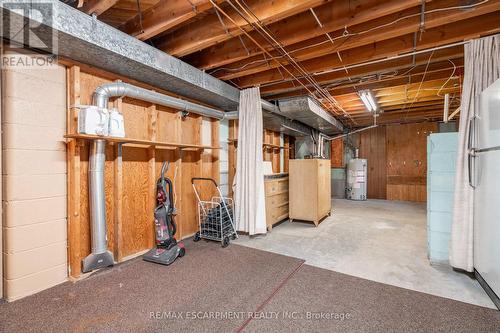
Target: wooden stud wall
[[271, 150], [131, 171]]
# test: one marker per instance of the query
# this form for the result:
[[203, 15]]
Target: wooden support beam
[[215, 126], [118, 194], [232, 150], [164, 16], [152, 131], [97, 7], [118, 203], [446, 34], [73, 163], [298, 28], [210, 31]]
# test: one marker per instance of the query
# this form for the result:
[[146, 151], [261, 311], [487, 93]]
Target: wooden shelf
[[138, 142], [265, 145], [270, 145]]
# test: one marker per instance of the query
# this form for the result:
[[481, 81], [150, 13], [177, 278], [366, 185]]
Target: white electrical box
[[116, 124], [93, 120]]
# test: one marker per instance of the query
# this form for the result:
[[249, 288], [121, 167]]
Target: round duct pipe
[[101, 256]]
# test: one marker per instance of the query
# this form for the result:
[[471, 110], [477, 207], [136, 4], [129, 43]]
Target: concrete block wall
[[34, 180], [441, 159]]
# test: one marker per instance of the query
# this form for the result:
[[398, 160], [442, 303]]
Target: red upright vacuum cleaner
[[167, 248]]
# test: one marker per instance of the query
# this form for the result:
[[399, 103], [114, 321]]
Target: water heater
[[356, 179]]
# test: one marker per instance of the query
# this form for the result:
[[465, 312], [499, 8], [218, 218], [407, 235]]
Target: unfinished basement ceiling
[[327, 49]]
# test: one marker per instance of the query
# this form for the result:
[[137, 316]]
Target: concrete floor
[[379, 240]]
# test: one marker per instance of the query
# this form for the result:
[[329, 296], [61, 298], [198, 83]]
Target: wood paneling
[[131, 171], [137, 216], [407, 161], [191, 167], [397, 160], [372, 147], [337, 153]]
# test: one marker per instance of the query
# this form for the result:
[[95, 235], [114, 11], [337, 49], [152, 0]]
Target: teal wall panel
[[441, 157]]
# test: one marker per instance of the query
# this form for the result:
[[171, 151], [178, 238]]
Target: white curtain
[[250, 210], [482, 58]]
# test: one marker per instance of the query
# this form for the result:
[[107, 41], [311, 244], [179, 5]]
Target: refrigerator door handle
[[485, 150], [471, 152]]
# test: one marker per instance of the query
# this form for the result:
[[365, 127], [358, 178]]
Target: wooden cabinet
[[276, 191], [310, 189]]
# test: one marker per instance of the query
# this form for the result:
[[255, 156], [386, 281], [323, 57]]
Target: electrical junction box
[[116, 124], [93, 120]]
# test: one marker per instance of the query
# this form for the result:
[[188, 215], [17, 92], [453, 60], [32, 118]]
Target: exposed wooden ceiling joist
[[165, 15], [298, 28], [97, 7], [209, 31], [400, 65], [388, 83], [343, 46], [444, 34], [322, 46], [411, 74]]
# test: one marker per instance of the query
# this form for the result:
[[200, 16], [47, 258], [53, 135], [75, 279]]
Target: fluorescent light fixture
[[365, 101], [368, 100]]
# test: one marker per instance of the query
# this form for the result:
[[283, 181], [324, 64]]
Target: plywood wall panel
[[337, 153], [169, 125], [138, 112], [372, 148], [191, 167], [407, 161], [131, 172], [191, 129], [137, 217]]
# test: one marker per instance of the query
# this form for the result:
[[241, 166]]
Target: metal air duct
[[307, 111], [101, 256]]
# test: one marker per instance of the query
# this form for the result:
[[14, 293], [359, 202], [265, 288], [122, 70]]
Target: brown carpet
[[122, 299], [319, 300], [203, 292]]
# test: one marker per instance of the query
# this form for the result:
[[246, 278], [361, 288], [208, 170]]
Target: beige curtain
[[250, 210], [482, 59]]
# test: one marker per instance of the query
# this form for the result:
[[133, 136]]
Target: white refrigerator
[[484, 164]]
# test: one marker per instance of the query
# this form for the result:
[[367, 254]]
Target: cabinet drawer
[[277, 200], [283, 185], [279, 213], [271, 188]]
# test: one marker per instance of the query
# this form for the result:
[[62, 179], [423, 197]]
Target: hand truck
[[215, 217]]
